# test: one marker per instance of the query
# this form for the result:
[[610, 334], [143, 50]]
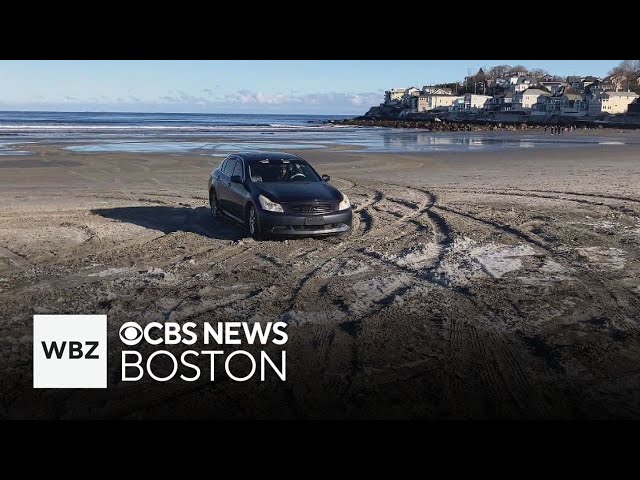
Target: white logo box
[[65, 337]]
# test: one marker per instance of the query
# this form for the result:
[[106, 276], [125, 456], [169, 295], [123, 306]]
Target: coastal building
[[598, 87], [583, 83], [547, 105], [527, 99], [574, 105], [611, 103], [469, 103], [522, 84], [500, 103], [515, 77], [394, 95], [432, 101], [410, 94], [634, 107], [431, 90], [553, 87], [568, 104]]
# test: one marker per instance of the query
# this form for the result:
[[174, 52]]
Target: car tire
[[214, 205], [253, 223]]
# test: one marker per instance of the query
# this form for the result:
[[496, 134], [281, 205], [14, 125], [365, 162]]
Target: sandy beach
[[474, 285]]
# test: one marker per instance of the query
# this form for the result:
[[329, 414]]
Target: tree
[[498, 71], [626, 67], [519, 68], [538, 72]]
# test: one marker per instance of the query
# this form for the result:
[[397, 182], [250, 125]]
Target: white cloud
[[208, 100], [247, 97]]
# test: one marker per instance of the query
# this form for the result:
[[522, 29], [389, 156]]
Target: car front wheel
[[253, 223], [214, 204]]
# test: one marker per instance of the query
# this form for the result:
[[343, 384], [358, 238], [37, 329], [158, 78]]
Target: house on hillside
[[469, 103], [553, 87], [611, 103], [598, 87], [394, 96], [500, 103], [568, 103], [410, 94], [523, 83], [526, 100], [583, 83], [574, 105], [434, 101], [431, 90]]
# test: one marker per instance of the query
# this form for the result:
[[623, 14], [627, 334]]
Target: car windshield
[[282, 171]]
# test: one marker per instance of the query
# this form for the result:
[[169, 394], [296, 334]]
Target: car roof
[[261, 155]]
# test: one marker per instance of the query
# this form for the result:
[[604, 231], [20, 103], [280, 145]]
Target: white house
[[567, 104], [431, 90], [469, 103], [515, 77], [523, 83], [435, 100], [547, 105], [500, 102], [409, 94], [525, 100], [394, 95], [611, 102]]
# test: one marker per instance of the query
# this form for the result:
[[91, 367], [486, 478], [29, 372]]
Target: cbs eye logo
[[131, 333]]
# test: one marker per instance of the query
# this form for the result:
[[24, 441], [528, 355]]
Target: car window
[[229, 166], [237, 170], [282, 171]]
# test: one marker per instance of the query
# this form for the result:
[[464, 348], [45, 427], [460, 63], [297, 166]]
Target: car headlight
[[268, 205], [345, 203]]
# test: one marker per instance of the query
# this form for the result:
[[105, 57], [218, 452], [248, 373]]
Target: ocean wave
[[164, 128]]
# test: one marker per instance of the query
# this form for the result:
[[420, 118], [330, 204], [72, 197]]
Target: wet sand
[[476, 285]]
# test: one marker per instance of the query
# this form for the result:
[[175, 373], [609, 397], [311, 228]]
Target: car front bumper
[[291, 224]]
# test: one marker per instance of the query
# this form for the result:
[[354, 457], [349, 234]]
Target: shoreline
[[453, 123]]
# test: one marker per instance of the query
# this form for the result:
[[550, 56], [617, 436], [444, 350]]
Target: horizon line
[[171, 113]]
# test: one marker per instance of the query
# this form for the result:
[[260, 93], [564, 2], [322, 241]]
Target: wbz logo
[[75, 350], [70, 351]]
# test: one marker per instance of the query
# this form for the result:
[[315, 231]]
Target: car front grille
[[311, 208]]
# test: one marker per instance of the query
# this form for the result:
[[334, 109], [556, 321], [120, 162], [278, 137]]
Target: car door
[[238, 193], [224, 184]]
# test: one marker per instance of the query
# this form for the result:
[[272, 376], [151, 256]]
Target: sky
[[237, 86]]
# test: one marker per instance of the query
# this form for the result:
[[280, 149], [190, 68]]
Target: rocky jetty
[[393, 117]]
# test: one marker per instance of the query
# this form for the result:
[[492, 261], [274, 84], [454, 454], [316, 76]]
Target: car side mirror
[[236, 179], [326, 178]]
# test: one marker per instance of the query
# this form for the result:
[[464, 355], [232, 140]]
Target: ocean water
[[59, 124], [220, 134]]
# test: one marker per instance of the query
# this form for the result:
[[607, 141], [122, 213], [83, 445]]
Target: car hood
[[300, 192]]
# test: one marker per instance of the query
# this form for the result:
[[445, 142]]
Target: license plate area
[[314, 221]]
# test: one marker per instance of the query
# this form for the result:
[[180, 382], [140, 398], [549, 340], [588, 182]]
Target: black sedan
[[277, 193]]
